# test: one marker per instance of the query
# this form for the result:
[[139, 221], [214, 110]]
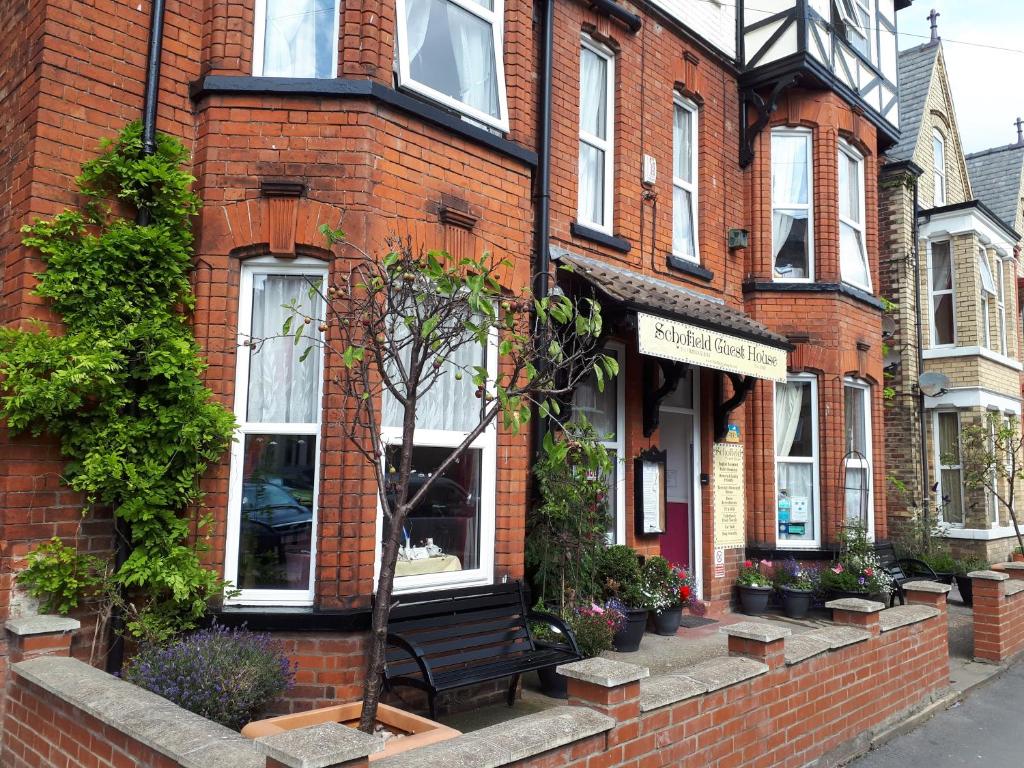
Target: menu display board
[[728, 496], [649, 475]]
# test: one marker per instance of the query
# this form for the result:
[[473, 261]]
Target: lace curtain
[[593, 120], [789, 186], [299, 38]]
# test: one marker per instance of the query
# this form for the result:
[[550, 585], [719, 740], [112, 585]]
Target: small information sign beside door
[[728, 496], [649, 473]]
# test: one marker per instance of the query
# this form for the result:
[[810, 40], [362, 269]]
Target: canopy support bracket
[[741, 387]]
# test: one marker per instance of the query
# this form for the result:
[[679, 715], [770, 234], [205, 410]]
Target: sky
[[987, 84]]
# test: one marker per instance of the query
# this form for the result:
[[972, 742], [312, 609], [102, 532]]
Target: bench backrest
[[462, 628], [887, 559]]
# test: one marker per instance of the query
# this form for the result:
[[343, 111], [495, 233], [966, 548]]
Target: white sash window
[[796, 461], [597, 136], [853, 254], [792, 219], [296, 38]]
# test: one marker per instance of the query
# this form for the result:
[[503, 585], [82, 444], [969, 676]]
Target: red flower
[[869, 572], [684, 592], [747, 564]]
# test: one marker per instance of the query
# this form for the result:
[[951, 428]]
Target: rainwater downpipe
[[922, 426], [150, 99]]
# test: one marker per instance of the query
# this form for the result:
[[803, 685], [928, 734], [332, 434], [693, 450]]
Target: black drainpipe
[[923, 428], [542, 224], [122, 534]]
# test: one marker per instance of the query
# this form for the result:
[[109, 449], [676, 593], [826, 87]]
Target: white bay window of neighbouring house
[[792, 237], [950, 491], [596, 146], [943, 297], [853, 254], [274, 461], [448, 537], [988, 291], [296, 38], [796, 461], [451, 51]]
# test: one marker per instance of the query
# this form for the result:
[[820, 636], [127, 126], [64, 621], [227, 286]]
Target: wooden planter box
[[419, 731]]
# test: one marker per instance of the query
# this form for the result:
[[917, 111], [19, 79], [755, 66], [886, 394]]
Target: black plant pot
[[796, 602], [945, 577], [966, 587], [666, 621], [553, 684], [754, 600], [627, 639]]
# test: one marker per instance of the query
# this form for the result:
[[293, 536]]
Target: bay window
[[796, 461], [684, 180], [606, 413], [272, 504], [1001, 304], [451, 51], [991, 502], [943, 296], [858, 461], [939, 168], [853, 254], [597, 136], [946, 438], [296, 38], [448, 538], [988, 290], [792, 230]]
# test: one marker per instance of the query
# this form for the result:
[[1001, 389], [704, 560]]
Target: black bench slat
[[464, 638]]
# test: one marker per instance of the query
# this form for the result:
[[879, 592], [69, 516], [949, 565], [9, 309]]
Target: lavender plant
[[226, 675]]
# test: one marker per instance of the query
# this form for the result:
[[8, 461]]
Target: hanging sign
[[728, 496], [672, 340]]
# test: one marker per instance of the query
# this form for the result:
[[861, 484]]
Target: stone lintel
[[606, 673], [756, 630], [41, 625], [320, 746], [855, 605]]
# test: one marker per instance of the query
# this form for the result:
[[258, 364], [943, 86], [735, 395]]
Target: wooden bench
[[439, 641], [902, 570]]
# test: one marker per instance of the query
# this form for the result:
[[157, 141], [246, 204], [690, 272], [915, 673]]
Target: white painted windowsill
[[988, 354], [980, 534]]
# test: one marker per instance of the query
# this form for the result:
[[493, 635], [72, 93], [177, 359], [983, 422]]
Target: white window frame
[[486, 442], [496, 19], [260, 32], [814, 460], [847, 149], [689, 186], [987, 290], [940, 466], [867, 463], [605, 145], [939, 169], [1001, 303], [990, 492], [932, 293], [285, 597], [809, 206], [849, 13]]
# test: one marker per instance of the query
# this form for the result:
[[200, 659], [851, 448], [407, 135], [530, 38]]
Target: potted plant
[[620, 572], [796, 586], [943, 563], [665, 582], [754, 586], [1018, 555], [593, 626], [963, 583]]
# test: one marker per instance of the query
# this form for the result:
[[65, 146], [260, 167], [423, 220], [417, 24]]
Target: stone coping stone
[[840, 636], [41, 625], [507, 742], [320, 746], [855, 605], [1015, 566], [1013, 587], [188, 739], [802, 647], [756, 630], [989, 575], [662, 690], [902, 615], [932, 587], [724, 671], [607, 673]]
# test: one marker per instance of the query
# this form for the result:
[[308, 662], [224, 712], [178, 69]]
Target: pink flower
[[838, 568], [596, 608], [869, 572], [747, 564]]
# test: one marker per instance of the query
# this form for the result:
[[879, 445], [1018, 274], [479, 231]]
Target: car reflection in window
[[276, 532]]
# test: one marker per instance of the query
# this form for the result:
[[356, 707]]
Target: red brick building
[[695, 187]]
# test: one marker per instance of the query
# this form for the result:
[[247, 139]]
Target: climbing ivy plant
[[120, 386]]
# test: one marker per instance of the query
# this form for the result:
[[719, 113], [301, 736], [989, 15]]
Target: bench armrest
[[917, 567], [555, 622], [416, 652]]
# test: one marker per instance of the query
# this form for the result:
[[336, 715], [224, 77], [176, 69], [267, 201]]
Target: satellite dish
[[888, 326], [933, 384]]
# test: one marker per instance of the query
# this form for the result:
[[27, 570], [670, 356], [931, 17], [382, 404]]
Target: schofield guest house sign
[[687, 343]]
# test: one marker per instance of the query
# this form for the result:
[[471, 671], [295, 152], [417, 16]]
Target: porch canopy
[[680, 325]]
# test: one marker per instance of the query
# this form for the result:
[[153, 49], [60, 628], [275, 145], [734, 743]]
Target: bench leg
[[432, 702], [512, 690]]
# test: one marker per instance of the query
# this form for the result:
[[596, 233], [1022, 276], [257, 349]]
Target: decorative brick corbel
[[459, 239], [282, 213]]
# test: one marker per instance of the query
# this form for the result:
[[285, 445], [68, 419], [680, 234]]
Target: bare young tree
[[396, 326], [992, 458]]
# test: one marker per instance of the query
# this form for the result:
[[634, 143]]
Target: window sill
[[980, 534], [691, 268], [276, 618], [609, 241], [953, 351], [812, 287]]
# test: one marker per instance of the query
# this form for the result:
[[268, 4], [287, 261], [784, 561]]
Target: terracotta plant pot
[[666, 621], [1018, 557], [796, 602], [417, 731], [553, 684], [754, 600], [966, 587], [627, 639]]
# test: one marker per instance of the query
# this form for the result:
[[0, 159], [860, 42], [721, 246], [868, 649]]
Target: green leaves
[[122, 388]]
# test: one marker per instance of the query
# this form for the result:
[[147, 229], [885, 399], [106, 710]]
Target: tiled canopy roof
[[996, 179], [647, 294]]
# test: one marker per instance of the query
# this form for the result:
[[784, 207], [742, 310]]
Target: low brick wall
[[998, 612]]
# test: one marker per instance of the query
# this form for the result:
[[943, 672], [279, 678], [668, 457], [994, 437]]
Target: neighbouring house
[[711, 174], [951, 241]]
